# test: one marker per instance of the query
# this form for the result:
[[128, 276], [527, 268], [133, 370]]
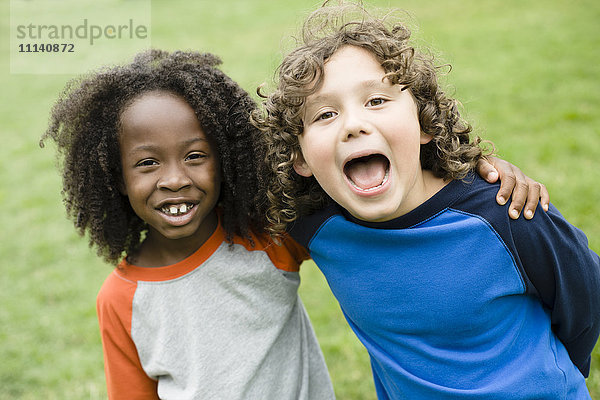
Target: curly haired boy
[[371, 169]]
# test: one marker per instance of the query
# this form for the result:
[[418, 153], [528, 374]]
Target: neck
[[426, 186], [432, 184], [158, 251]]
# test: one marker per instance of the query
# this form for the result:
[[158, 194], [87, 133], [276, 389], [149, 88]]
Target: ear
[[425, 138], [301, 167]]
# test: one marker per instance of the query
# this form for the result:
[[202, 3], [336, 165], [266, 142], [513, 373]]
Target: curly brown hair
[[85, 123], [449, 155]]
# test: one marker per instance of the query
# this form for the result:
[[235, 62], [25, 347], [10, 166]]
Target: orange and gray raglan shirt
[[225, 323]]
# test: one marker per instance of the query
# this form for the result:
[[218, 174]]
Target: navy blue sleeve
[[565, 274], [557, 266]]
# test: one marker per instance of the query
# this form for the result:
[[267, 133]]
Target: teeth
[[177, 210]]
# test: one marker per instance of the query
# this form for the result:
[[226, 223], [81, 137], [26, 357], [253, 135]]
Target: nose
[[174, 178], [355, 125]]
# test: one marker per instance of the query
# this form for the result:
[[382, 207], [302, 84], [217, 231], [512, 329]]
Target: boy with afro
[[160, 168]]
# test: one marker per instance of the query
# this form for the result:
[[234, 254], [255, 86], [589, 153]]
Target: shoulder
[[116, 294], [479, 197], [305, 228], [286, 254], [480, 200], [541, 247], [544, 230]]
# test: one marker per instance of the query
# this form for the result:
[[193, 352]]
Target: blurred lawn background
[[527, 73]]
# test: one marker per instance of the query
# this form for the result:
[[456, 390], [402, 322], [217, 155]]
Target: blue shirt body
[[457, 301]]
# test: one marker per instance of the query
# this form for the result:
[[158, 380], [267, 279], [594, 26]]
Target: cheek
[[217, 183], [214, 175], [317, 149], [210, 180], [137, 188], [407, 137]]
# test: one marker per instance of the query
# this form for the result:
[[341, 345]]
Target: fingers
[[486, 170], [520, 195], [514, 185], [524, 192], [537, 193], [544, 197]]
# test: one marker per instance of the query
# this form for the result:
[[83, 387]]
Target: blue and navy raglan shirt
[[455, 300]]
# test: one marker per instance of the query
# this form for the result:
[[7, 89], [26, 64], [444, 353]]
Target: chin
[[373, 216]]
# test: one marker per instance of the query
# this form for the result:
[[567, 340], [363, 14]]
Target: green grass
[[526, 72]]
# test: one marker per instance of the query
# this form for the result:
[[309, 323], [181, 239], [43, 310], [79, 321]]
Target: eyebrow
[[368, 84], [149, 147], [374, 83]]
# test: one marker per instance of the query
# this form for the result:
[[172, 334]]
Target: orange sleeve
[[287, 256], [125, 378], [296, 251]]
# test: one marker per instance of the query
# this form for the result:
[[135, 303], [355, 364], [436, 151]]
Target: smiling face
[[171, 171], [362, 138]]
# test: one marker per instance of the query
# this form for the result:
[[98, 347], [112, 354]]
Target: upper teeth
[[175, 210]]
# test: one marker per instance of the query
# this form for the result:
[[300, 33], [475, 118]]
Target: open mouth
[[368, 173], [177, 209]]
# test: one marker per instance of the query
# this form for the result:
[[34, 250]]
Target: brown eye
[[326, 115], [146, 163], [375, 102], [195, 156]]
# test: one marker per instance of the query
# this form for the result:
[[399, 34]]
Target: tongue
[[367, 172]]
